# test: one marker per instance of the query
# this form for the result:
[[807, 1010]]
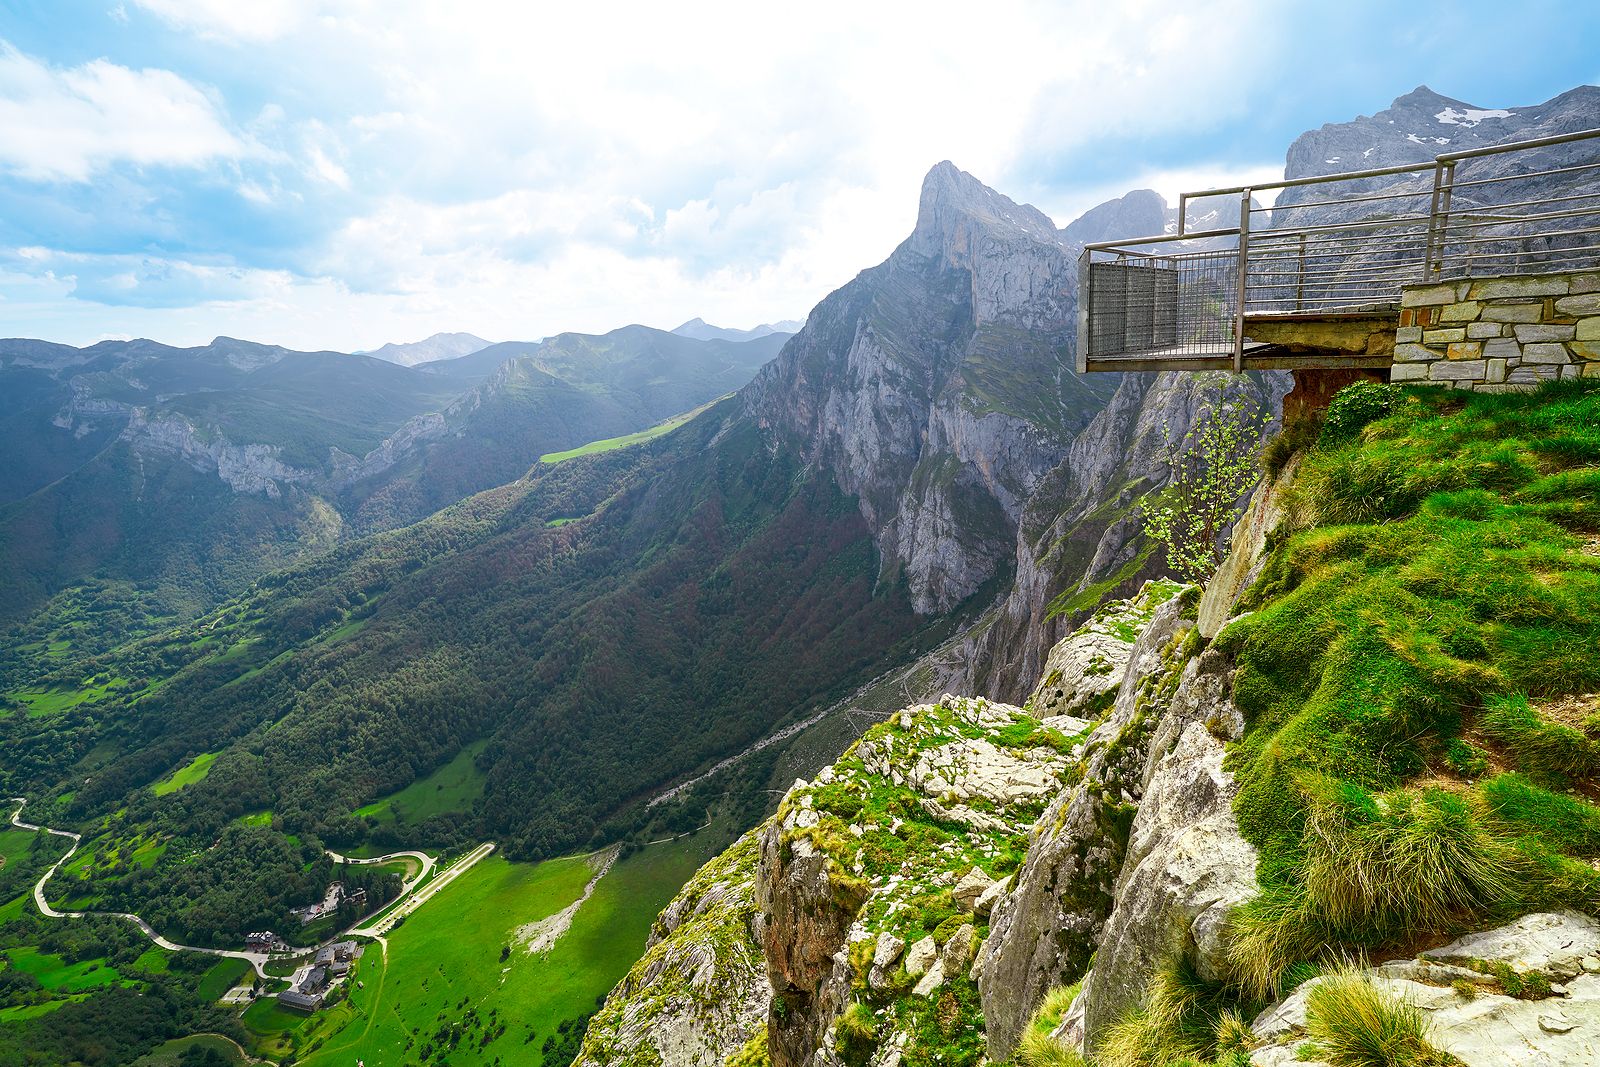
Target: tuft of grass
[[1354, 1024], [1380, 868], [1413, 863], [1551, 752], [1559, 822], [1037, 1048], [754, 1052], [1181, 1019], [855, 1035]]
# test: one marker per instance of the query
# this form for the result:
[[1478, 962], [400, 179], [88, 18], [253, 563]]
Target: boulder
[[1478, 1026], [920, 956], [887, 951], [971, 888], [930, 981], [986, 902], [958, 950]]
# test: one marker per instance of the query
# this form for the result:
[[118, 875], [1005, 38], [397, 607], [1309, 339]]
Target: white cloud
[[522, 169], [66, 124], [232, 21]]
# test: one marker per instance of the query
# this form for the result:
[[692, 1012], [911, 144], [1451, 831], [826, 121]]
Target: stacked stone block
[[1499, 334]]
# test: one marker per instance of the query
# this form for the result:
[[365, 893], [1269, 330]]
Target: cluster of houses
[[331, 964], [265, 941], [330, 903]]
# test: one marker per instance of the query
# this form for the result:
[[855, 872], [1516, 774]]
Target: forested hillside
[[153, 482]]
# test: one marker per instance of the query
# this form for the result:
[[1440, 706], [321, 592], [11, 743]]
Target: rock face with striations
[[1044, 932], [918, 385]]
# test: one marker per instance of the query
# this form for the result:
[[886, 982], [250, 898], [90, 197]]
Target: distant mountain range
[[701, 330], [442, 347], [162, 479], [431, 349]]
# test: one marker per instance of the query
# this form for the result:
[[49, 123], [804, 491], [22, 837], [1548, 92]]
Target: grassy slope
[[452, 787], [193, 771], [1441, 563], [449, 951], [625, 440]]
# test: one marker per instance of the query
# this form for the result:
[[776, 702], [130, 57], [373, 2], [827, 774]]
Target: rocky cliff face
[[249, 468], [1080, 541], [700, 991], [916, 385]]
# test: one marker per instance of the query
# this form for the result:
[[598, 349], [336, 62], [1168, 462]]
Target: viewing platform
[[1484, 262]]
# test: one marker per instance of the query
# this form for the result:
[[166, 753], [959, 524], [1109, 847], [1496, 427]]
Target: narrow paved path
[[258, 960], [421, 876], [407, 902]]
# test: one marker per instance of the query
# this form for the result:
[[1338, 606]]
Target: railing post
[[1300, 278], [1244, 274], [1449, 186], [1085, 295], [1433, 222]]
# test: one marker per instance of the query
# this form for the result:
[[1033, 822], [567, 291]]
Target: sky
[[338, 175]]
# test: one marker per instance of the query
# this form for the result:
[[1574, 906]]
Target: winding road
[[368, 926]]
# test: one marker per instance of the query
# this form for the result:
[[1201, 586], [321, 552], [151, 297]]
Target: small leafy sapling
[[1212, 465]]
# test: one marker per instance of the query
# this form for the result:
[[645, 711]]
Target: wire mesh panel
[[1179, 304]]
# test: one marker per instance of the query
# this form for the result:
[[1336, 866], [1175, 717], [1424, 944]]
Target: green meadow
[[14, 843], [609, 443], [43, 702], [190, 773], [452, 787], [170, 1054], [57, 975], [450, 990]]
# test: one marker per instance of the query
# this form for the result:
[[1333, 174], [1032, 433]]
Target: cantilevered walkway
[[1315, 281]]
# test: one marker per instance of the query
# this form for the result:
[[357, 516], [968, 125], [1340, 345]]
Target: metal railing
[[1339, 244]]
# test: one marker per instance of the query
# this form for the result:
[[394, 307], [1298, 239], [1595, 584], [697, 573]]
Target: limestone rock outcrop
[[872, 888], [1045, 930], [1555, 1023], [700, 990]]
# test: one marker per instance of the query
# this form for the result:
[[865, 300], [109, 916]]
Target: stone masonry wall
[[1499, 334]]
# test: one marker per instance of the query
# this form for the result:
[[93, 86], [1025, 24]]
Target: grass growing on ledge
[[1354, 1024], [1439, 561], [1182, 1020], [1037, 1048]]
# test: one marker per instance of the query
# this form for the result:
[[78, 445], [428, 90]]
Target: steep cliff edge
[[1387, 753]]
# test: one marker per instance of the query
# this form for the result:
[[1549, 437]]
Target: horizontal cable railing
[[1340, 243]]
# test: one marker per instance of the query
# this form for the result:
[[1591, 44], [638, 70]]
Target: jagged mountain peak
[[1423, 97], [952, 199], [1136, 214]]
